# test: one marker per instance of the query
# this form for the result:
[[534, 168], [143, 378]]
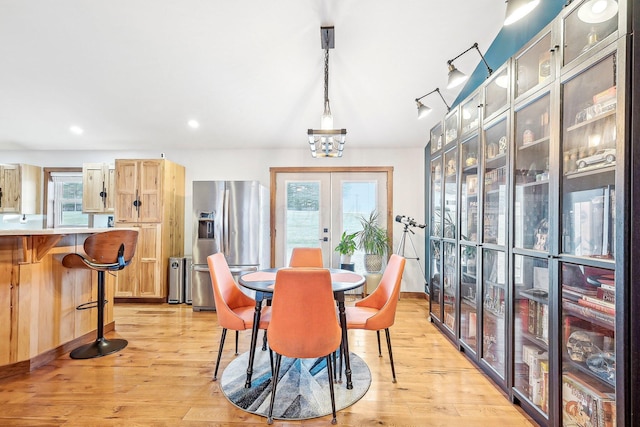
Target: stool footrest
[[90, 304], [98, 348]]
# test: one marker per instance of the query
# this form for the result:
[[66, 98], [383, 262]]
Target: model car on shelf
[[606, 155]]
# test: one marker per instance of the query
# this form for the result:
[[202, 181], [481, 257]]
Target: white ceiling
[[132, 72]]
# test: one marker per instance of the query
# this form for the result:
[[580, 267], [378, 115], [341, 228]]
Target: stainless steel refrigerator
[[231, 217]]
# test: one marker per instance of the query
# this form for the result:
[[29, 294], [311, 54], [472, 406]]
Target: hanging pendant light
[[326, 141], [517, 9], [597, 11]]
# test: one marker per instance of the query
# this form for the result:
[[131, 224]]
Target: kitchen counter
[[38, 297]]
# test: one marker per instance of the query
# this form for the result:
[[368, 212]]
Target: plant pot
[[345, 259], [372, 263]]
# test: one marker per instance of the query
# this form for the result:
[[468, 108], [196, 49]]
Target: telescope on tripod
[[409, 222]]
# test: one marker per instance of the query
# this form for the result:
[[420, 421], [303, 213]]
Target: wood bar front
[[38, 298]]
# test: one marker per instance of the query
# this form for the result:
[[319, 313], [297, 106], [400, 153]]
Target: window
[[67, 200]]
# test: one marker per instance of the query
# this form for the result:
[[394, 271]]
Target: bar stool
[[106, 251]]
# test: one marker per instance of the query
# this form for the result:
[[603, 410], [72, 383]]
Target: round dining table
[[263, 283]]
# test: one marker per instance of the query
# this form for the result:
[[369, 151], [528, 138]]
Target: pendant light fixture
[[424, 110], [597, 11], [326, 141], [517, 9], [457, 77]]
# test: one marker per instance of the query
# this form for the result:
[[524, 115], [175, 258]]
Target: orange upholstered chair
[[378, 310], [306, 329], [234, 309], [107, 251], [306, 257]]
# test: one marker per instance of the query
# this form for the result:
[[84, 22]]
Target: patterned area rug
[[303, 389]]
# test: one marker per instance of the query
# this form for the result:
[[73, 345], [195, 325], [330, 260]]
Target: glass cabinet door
[[436, 138], [436, 197], [451, 128], [531, 330], [469, 117], [469, 192], [533, 67], [589, 144], [531, 208], [495, 183], [436, 273], [587, 26], [468, 299], [496, 93], [449, 267], [435, 231], [494, 273], [450, 211], [588, 348]]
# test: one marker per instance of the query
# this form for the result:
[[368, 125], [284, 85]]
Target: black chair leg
[[101, 346], [274, 384], [393, 369], [237, 333], [264, 341], [222, 338], [379, 348], [333, 398]]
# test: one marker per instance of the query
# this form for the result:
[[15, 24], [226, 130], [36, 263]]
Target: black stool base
[[98, 348]]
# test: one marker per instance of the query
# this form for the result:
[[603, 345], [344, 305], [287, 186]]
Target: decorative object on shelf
[[472, 184], [451, 167], [424, 110], [492, 150], [597, 11], [346, 247], [517, 9], [542, 232], [471, 159], [502, 145], [456, 77], [326, 141], [603, 364], [374, 241]]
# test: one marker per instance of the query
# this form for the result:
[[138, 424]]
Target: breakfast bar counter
[[38, 297]]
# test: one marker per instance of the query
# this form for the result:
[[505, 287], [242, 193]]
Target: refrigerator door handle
[[200, 268]]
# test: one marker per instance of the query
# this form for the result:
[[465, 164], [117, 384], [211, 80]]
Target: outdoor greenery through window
[[67, 201]]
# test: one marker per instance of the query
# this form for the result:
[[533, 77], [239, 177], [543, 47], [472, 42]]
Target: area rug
[[303, 389]]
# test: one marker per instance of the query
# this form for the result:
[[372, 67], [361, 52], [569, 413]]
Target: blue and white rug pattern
[[303, 389]]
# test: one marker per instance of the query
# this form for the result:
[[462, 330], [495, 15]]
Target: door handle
[[324, 239]]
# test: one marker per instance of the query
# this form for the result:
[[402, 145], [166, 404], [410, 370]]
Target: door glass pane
[[588, 348], [531, 209], [359, 199], [468, 292], [436, 138], [495, 183], [450, 214], [436, 197], [587, 26], [302, 215], [534, 66], [496, 94], [436, 287], [531, 329], [449, 267], [494, 273]]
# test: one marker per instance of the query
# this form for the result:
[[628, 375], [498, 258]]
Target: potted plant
[[346, 247], [374, 241]]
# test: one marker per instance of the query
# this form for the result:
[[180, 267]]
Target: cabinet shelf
[[592, 120], [469, 301], [595, 317], [533, 143], [493, 313], [498, 159], [535, 340], [585, 370], [590, 170]]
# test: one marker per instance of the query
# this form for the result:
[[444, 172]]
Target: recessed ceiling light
[[76, 130], [193, 124]]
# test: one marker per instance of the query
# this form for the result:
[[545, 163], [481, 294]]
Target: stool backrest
[[109, 246]]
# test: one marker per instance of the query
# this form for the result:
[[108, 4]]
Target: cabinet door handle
[[103, 195], [0, 197]]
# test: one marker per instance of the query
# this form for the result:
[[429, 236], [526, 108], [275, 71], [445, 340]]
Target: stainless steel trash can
[[176, 280]]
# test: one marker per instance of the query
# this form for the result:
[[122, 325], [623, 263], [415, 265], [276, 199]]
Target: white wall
[[408, 179]]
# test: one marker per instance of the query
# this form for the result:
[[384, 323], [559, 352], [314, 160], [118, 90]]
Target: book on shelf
[[538, 320], [597, 305], [584, 405], [606, 295], [588, 312]]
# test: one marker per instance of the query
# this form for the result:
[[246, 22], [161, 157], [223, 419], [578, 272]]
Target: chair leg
[[237, 333], [333, 398], [264, 341], [274, 384], [393, 369], [379, 348], [222, 337]]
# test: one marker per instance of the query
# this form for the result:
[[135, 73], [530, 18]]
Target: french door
[[313, 207]]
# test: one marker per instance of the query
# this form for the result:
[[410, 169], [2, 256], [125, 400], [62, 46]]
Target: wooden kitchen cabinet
[[20, 186], [149, 195], [98, 187]]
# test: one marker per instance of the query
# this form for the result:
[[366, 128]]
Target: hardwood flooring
[[163, 378]]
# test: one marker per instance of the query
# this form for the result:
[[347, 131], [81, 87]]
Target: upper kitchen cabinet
[[20, 188], [98, 187], [496, 93], [451, 128], [534, 66], [436, 138]]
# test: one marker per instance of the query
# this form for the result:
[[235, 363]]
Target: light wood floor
[[163, 378]]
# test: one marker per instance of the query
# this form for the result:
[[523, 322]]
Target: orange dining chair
[[106, 251], [306, 257], [234, 309], [378, 310], [307, 330]]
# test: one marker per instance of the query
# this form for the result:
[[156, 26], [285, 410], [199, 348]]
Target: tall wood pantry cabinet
[[532, 221], [149, 196]]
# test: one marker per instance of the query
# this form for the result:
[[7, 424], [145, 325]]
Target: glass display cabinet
[[494, 299], [496, 93], [468, 297], [588, 28], [436, 237], [451, 128], [469, 116], [436, 138], [450, 232]]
